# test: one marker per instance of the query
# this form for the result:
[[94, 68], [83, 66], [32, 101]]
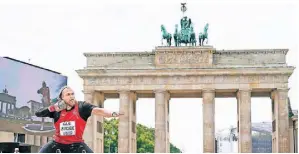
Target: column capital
[[88, 92], [277, 90], [160, 91], [244, 90], [123, 90], [282, 89], [133, 94], [208, 90], [99, 95]]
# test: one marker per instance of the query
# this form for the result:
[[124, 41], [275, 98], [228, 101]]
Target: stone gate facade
[[189, 72]]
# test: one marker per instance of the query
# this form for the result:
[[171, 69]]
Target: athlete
[[70, 117]]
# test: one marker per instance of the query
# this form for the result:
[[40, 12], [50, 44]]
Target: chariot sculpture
[[185, 35]]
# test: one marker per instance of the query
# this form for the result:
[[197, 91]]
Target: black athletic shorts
[[54, 147]]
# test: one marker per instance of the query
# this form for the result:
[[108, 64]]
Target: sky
[[55, 34]]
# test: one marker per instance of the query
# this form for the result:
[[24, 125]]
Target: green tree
[[145, 138], [174, 149], [111, 136]]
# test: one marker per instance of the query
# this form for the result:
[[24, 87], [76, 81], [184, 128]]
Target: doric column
[[29, 139], [89, 131], [37, 140], [14, 109], [291, 135], [6, 108], [161, 121], [244, 120], [10, 107], [94, 130], [1, 106], [280, 134], [296, 135], [98, 124], [133, 121], [44, 140], [208, 120], [127, 122], [167, 124]]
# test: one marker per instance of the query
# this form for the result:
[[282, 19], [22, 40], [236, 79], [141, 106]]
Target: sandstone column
[[296, 135], [6, 112], [98, 124], [167, 132], [273, 122], [280, 134], [208, 120], [1, 106], [161, 121], [88, 132], [94, 131], [133, 127], [127, 122], [37, 140], [29, 139], [244, 120], [291, 134], [44, 140]]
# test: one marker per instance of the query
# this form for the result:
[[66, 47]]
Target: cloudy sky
[[55, 34]]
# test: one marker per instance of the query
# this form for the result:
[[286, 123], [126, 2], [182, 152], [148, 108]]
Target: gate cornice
[[186, 72]]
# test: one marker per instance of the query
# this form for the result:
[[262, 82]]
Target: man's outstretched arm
[[44, 112], [104, 112], [48, 111], [88, 109]]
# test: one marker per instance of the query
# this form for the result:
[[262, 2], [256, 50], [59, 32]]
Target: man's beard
[[71, 103]]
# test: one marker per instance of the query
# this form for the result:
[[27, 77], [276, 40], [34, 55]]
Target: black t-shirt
[[85, 110]]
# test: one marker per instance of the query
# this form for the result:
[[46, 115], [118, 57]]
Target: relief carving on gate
[[184, 57]]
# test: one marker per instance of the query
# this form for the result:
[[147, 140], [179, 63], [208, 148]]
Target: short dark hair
[[61, 90]]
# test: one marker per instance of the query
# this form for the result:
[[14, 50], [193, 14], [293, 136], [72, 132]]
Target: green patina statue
[[204, 35], [165, 35], [192, 36], [176, 36], [186, 34]]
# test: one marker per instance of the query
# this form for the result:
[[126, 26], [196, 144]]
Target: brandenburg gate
[[190, 72]]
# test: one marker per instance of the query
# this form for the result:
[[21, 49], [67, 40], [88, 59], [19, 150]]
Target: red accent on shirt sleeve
[[52, 108]]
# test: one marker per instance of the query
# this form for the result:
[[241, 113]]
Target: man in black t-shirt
[[70, 118]]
